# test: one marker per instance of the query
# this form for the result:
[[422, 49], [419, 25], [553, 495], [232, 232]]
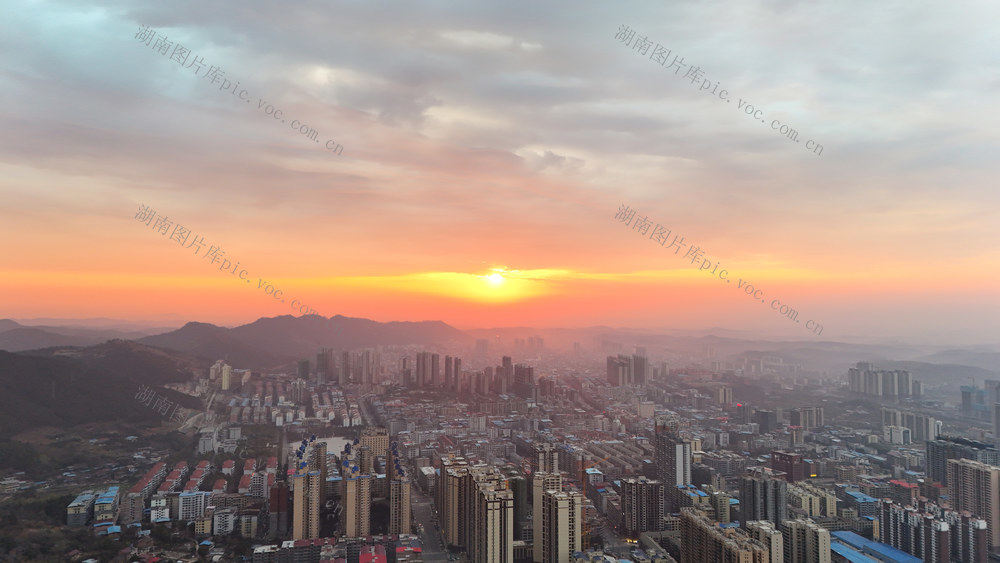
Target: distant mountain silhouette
[[15, 337], [30, 338], [278, 340]]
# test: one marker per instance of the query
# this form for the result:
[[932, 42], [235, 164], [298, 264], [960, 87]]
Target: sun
[[495, 279]]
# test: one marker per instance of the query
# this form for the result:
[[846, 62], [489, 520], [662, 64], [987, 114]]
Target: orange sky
[[503, 141]]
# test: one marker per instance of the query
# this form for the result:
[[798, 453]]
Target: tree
[[160, 534]]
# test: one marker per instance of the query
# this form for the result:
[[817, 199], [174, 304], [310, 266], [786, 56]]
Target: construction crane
[[585, 541]]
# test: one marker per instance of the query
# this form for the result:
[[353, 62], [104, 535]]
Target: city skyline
[[485, 150]]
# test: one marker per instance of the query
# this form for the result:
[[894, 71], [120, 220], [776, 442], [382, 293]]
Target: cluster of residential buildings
[[562, 463]]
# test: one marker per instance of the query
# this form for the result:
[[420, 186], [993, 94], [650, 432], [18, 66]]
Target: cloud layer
[[506, 135]]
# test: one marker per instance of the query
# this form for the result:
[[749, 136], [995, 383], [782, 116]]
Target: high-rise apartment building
[[805, 542], [975, 487], [968, 537], [524, 381], [356, 496], [548, 458], [399, 487], [318, 462], [518, 486], [922, 427], [792, 465], [306, 499], [376, 438], [720, 503], [888, 385], [458, 489], [449, 372], [324, 366], [767, 420], [562, 526], [763, 497], [640, 369], [673, 457], [493, 529], [215, 372], [807, 417], [673, 453], [769, 535], [428, 369], [344, 370], [227, 377], [996, 424], [813, 500], [946, 447], [540, 484], [703, 540], [933, 534], [627, 370], [366, 366], [399, 505], [619, 370], [453, 511], [642, 506]]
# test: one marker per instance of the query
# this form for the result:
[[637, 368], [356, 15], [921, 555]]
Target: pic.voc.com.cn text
[[661, 54], [180, 235], [181, 55], [661, 234]]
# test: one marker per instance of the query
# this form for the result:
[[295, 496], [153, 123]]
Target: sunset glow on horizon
[[486, 151]]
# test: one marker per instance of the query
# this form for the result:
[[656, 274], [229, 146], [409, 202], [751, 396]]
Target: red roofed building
[[220, 486], [903, 493], [158, 470], [191, 485], [228, 466], [245, 483], [372, 554], [134, 503], [272, 465], [249, 465]]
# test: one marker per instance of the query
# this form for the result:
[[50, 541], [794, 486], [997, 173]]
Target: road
[[423, 513], [612, 541]]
